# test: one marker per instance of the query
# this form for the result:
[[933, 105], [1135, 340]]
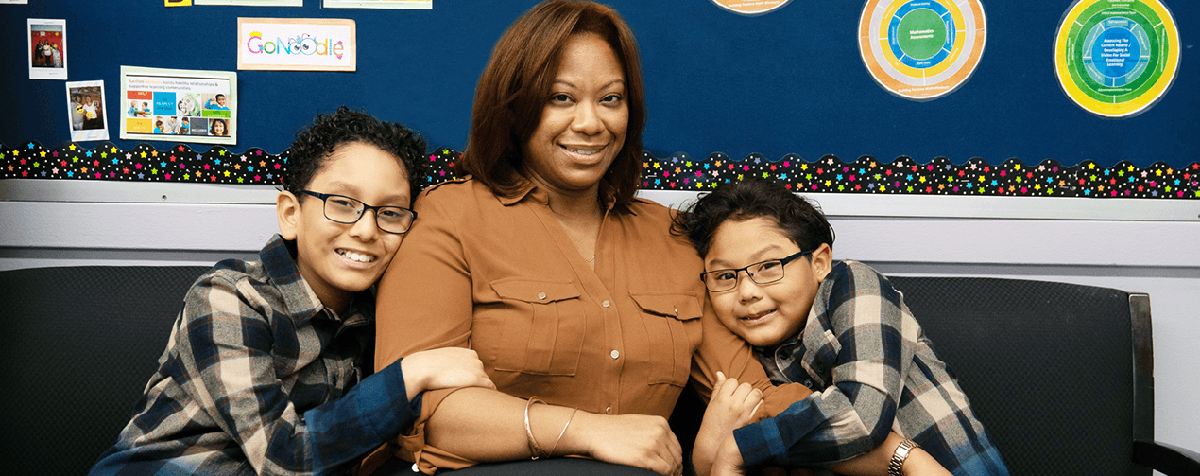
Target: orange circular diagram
[[750, 7], [921, 49]]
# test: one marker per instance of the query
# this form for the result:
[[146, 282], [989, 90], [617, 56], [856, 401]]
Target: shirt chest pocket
[[543, 327], [673, 330]]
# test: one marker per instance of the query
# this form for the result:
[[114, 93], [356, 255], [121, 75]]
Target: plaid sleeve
[[226, 344], [868, 358]]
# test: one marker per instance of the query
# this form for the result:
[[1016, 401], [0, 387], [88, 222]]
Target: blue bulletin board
[[784, 94]]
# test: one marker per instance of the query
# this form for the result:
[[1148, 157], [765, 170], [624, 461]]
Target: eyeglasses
[[343, 209], [762, 272]]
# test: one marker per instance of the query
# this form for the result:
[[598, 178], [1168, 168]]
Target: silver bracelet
[[900, 455]]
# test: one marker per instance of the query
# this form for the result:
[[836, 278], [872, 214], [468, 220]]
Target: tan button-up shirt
[[501, 276]]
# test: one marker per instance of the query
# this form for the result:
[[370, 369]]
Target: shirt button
[[605, 304], [614, 354], [542, 295], [608, 410]]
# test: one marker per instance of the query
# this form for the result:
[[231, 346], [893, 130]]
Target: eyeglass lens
[[761, 273], [349, 210]]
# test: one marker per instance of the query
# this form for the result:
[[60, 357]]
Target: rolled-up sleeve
[[424, 302]]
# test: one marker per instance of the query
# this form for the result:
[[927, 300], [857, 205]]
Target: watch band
[[900, 455]]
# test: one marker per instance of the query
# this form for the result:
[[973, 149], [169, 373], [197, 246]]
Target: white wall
[[1134, 245]]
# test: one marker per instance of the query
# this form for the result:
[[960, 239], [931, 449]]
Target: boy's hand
[[443, 368], [733, 406]]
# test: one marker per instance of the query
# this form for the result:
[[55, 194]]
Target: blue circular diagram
[[1118, 51]]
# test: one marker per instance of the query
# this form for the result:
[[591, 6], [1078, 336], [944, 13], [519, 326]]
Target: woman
[[585, 311], [543, 261]]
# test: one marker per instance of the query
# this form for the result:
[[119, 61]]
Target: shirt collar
[[529, 189]]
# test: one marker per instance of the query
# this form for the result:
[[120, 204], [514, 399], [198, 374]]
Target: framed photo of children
[[178, 105], [86, 111], [47, 48]]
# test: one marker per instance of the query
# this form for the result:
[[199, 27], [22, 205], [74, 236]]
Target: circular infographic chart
[[751, 7], [1116, 58], [921, 49]]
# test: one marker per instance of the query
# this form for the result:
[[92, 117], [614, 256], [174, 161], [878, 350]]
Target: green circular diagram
[[928, 37], [1116, 58]]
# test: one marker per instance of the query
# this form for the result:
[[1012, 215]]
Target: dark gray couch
[[1061, 374]]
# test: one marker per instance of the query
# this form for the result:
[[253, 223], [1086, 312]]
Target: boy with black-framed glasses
[[882, 402], [267, 370]]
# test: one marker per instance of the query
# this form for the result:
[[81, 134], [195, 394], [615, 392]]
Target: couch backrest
[[1048, 367], [79, 344]]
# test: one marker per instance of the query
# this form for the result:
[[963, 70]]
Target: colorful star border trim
[[677, 172]]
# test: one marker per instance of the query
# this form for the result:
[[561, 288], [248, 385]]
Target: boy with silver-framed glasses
[[838, 328]]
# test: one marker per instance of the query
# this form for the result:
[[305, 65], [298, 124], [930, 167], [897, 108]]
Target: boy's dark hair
[[318, 140], [799, 218]]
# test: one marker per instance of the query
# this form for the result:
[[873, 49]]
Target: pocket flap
[[679, 306], [535, 292]]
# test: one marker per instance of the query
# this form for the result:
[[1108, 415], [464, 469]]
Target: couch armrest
[[1166, 459]]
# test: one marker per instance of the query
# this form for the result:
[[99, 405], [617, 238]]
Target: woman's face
[[583, 122]]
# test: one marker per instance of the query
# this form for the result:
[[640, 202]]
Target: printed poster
[[252, 3], [47, 48], [296, 44], [1116, 59], [86, 111], [390, 4], [178, 105]]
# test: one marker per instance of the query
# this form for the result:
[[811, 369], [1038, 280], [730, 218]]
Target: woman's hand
[[727, 461], [733, 406], [644, 441], [443, 368]]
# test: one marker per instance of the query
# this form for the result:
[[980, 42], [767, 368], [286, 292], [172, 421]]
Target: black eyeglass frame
[[737, 276], [324, 197]]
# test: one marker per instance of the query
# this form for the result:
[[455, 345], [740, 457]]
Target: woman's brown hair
[[516, 83]]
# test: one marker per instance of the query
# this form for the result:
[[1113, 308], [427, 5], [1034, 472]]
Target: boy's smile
[[338, 259], [764, 314]]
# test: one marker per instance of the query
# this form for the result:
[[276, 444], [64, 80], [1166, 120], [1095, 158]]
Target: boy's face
[[338, 259], [764, 314]]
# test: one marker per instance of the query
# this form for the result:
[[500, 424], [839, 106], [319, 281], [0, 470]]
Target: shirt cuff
[[383, 399], [769, 440]]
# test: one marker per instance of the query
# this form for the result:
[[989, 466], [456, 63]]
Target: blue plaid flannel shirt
[[258, 377], [872, 370]]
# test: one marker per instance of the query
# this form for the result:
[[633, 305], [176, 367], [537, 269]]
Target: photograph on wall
[[751, 7], [47, 48], [296, 44], [383, 4], [921, 49], [178, 105], [1116, 59], [86, 110], [252, 3]]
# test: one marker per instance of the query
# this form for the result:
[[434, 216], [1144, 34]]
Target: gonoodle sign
[[300, 45], [316, 44]]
